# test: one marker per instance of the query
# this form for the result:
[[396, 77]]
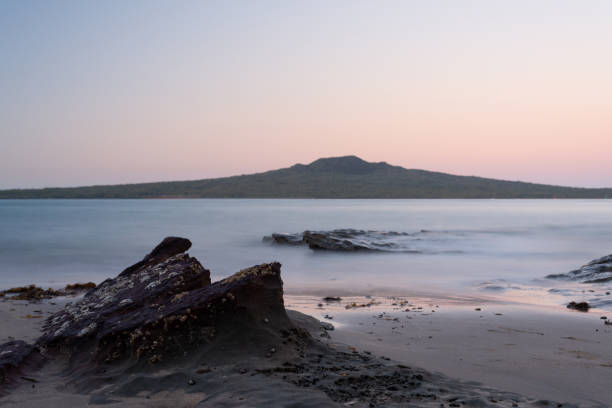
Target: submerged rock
[[169, 247], [596, 271]]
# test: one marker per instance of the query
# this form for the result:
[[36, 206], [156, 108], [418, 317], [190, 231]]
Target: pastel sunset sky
[[104, 92]]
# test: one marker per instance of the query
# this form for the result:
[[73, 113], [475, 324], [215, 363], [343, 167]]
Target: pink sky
[[102, 95]]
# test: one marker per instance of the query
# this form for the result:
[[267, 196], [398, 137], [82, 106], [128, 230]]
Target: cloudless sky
[[103, 92]]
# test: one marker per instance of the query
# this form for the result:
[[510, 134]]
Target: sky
[[106, 92]]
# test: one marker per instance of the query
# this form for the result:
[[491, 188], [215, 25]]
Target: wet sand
[[541, 352], [22, 320]]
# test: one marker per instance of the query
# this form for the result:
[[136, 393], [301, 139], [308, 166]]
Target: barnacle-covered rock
[[165, 306]]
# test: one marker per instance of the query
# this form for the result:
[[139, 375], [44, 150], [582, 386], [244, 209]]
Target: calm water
[[482, 247]]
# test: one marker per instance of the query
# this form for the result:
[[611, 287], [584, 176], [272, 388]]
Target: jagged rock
[[169, 247], [596, 271], [165, 306], [16, 357]]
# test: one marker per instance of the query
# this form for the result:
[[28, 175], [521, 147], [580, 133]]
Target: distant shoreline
[[298, 198]]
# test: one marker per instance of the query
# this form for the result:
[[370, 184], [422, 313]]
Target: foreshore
[[543, 353]]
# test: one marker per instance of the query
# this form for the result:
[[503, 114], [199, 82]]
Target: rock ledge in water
[[596, 271], [349, 240]]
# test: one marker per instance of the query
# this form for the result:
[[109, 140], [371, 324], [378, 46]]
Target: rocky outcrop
[[349, 240], [596, 271], [337, 240], [165, 306]]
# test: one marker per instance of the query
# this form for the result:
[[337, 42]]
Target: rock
[[169, 247], [349, 240], [16, 357], [596, 271], [327, 326], [337, 240], [581, 306], [31, 293], [166, 306], [332, 299]]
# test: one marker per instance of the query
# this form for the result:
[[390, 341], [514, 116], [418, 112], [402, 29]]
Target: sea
[[494, 249]]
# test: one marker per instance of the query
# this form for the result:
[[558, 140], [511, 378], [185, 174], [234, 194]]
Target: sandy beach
[[542, 352], [545, 354]]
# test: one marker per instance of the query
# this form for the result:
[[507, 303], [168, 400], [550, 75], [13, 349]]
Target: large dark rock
[[596, 271], [15, 358], [165, 307]]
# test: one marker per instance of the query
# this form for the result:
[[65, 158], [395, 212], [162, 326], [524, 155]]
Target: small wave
[[497, 285], [605, 304]]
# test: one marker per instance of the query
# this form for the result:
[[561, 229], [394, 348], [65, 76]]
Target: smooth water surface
[[487, 247]]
